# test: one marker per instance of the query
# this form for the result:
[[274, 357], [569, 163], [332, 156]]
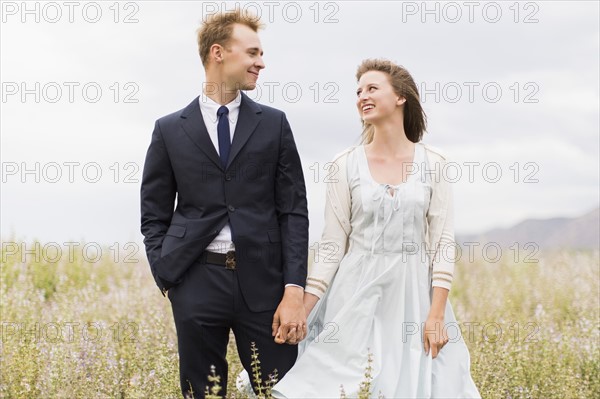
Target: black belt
[[227, 260]]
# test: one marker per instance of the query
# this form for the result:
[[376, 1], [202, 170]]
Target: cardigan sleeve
[[334, 240], [440, 218]]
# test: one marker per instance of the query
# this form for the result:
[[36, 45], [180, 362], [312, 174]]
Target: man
[[233, 252]]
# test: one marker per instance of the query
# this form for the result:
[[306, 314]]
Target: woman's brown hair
[[415, 120]]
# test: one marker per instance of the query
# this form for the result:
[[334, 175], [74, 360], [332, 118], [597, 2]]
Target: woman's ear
[[401, 100]]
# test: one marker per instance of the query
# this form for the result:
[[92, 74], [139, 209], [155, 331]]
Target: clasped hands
[[289, 320]]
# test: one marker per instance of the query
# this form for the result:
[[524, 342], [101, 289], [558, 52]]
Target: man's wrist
[[294, 290]]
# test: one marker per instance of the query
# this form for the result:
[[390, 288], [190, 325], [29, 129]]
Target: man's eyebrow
[[256, 49]]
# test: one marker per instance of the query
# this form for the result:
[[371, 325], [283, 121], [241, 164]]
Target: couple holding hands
[[230, 248]]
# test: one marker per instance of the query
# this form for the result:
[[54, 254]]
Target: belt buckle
[[230, 260]]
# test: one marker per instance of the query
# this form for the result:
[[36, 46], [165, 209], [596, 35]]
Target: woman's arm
[[334, 240], [435, 335], [310, 300], [440, 218]]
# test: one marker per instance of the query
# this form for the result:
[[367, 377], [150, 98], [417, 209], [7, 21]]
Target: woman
[[380, 283]]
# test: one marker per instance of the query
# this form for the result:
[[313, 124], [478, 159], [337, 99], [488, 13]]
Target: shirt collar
[[210, 107]]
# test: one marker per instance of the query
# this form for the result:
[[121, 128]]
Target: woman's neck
[[390, 139]]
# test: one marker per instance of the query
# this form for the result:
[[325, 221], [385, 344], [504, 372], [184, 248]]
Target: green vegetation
[[95, 328]]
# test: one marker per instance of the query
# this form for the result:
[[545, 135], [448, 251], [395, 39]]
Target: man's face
[[242, 59]]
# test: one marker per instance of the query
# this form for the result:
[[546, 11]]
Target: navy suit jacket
[[187, 197]]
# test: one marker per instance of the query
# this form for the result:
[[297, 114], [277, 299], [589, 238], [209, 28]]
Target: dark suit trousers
[[206, 305]]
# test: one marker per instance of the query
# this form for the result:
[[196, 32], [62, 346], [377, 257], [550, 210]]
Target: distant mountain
[[582, 232]]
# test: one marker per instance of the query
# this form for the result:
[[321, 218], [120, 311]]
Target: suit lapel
[[248, 119], [193, 125]]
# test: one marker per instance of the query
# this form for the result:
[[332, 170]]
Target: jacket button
[[231, 208], [228, 177]]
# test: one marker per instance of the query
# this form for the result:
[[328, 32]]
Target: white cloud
[[159, 55]]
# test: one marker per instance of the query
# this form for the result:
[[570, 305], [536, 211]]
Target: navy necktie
[[223, 134], [224, 140]]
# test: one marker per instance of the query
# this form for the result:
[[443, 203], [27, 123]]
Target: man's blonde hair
[[218, 28]]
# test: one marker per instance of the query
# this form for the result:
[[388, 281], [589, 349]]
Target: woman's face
[[376, 99]]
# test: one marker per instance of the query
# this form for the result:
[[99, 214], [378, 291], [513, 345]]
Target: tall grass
[[75, 328]]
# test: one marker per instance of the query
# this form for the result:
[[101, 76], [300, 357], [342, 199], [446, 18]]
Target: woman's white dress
[[377, 303]]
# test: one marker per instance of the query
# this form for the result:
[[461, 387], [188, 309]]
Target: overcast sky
[[508, 87]]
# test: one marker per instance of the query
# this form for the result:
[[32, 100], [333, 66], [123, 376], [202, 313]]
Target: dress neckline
[[416, 153]]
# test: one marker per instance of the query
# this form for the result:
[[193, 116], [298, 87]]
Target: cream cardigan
[[440, 245]]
